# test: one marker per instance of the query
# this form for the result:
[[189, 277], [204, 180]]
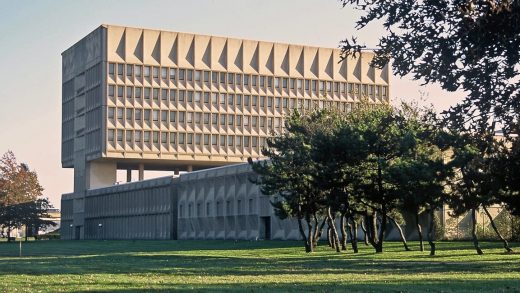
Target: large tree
[[471, 45], [18, 184]]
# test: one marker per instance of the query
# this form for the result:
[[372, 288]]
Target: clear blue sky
[[34, 33]]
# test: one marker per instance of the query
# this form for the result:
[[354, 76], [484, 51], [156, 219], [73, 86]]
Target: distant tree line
[[368, 167], [19, 202]]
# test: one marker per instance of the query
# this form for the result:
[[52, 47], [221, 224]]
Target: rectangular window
[[129, 92], [246, 141], [164, 116], [110, 135], [138, 115], [197, 97], [214, 99], [189, 138], [206, 139], [197, 117], [147, 93], [164, 137], [111, 68], [164, 73], [214, 77], [206, 98], [155, 72], [231, 99], [206, 77], [198, 139], [238, 141], [246, 100], [246, 79], [231, 140], [214, 139], [182, 94], [231, 78], [129, 115], [206, 118], [239, 100], [262, 81], [239, 79], [172, 116], [190, 96], [181, 117], [246, 121], [254, 141], [182, 138], [155, 115], [146, 137], [156, 95], [284, 82], [189, 117], [164, 94], [254, 80], [147, 71], [155, 137], [120, 70], [189, 75], [231, 119], [214, 119], [173, 74], [173, 95], [138, 92], [270, 81], [197, 75], [222, 99], [299, 84], [111, 90], [119, 135], [138, 135], [182, 73], [120, 114], [254, 103], [120, 91], [138, 70], [222, 140], [223, 78], [111, 113], [173, 137], [239, 120], [129, 70]]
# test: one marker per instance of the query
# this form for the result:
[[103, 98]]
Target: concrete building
[[137, 99]]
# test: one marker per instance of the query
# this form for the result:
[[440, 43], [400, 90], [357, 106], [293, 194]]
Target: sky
[[34, 33]]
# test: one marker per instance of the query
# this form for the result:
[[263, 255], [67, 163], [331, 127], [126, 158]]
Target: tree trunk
[[304, 237], [319, 231], [353, 235], [334, 231], [506, 245], [8, 234], [343, 232], [431, 232], [401, 234], [419, 230], [364, 229], [310, 236], [474, 231], [382, 230]]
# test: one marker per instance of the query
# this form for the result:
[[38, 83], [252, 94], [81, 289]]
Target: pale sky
[[34, 33]]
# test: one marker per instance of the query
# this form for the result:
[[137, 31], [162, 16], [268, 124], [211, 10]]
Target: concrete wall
[[139, 210]]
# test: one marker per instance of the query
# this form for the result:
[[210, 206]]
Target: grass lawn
[[161, 266]]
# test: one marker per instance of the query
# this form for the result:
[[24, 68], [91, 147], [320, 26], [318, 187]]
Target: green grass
[[160, 266]]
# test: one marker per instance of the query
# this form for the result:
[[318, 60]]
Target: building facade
[[139, 99]]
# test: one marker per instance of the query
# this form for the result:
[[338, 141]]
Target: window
[[254, 103], [253, 80], [231, 119], [147, 136], [147, 71], [231, 140], [238, 141], [146, 93], [197, 117], [111, 68], [197, 139], [189, 138], [284, 83], [138, 135], [189, 117], [111, 113], [110, 135], [164, 137], [138, 71], [246, 120], [214, 77], [292, 83], [262, 81], [138, 92], [111, 90], [246, 100], [164, 116], [129, 116], [120, 91], [254, 141], [172, 138], [222, 140], [172, 116], [329, 86], [239, 120], [182, 137], [299, 84], [206, 118], [155, 137], [189, 74], [206, 139], [173, 74], [182, 94], [246, 79], [120, 114], [138, 115], [120, 70], [206, 77], [155, 115], [214, 138], [277, 102], [181, 117], [307, 84], [269, 81], [270, 102], [222, 99], [222, 120], [164, 73], [222, 78], [214, 99], [231, 99], [129, 70], [190, 96], [239, 79], [164, 94], [182, 73], [156, 95], [155, 72], [197, 97], [173, 95], [197, 75], [262, 102], [231, 78], [246, 141], [214, 119], [254, 121], [129, 92]]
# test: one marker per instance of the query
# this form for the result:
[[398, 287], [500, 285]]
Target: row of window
[[167, 74], [206, 98], [197, 118], [174, 138], [216, 209]]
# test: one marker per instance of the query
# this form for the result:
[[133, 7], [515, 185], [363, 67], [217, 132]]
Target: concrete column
[[189, 168], [176, 171], [128, 175], [141, 172]]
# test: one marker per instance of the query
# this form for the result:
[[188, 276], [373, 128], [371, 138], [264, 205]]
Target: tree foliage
[[471, 45]]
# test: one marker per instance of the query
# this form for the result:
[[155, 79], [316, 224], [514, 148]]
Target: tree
[[18, 184], [507, 167], [34, 214], [460, 44], [288, 174], [475, 184]]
